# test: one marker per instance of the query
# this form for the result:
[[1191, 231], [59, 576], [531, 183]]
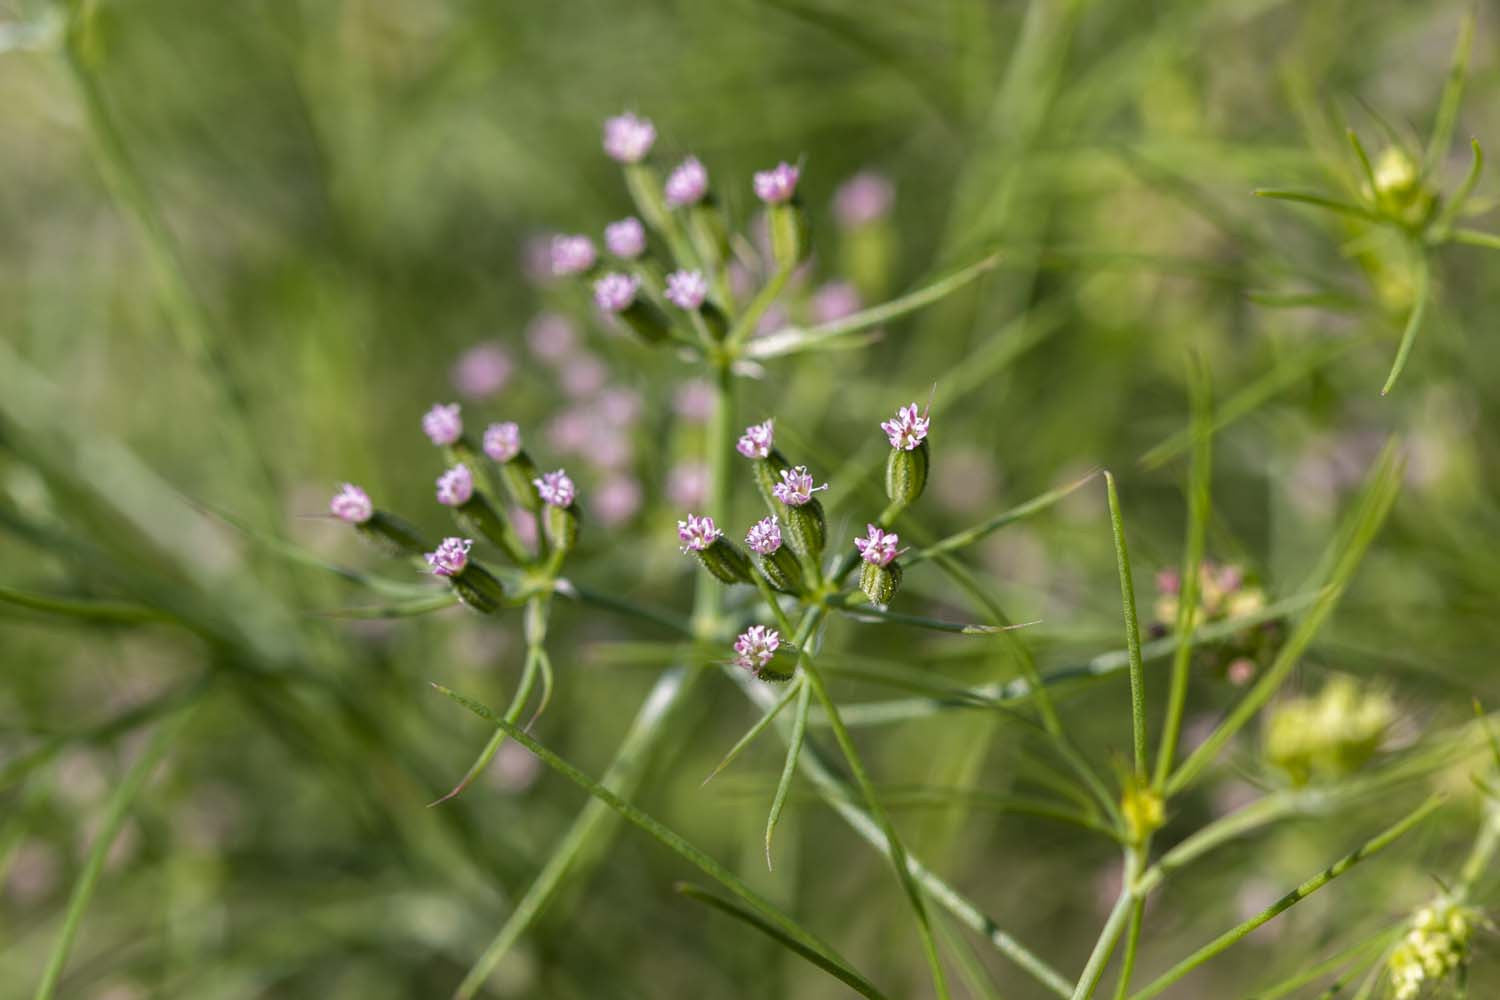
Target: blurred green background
[[245, 245]]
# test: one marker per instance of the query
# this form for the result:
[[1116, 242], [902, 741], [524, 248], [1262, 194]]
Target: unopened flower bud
[[351, 505], [784, 214], [626, 239], [776, 561], [700, 536], [442, 424], [628, 138], [1143, 810], [560, 514], [619, 294], [572, 255]]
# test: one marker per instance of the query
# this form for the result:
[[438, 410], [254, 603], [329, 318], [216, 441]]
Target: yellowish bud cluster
[[1434, 947], [1329, 735]]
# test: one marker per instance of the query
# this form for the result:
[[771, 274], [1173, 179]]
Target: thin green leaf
[[872, 615], [115, 811], [402, 609], [1320, 201], [761, 907], [1363, 525], [789, 768], [83, 609], [1453, 93], [1224, 941], [1476, 238], [1455, 205], [1132, 631], [517, 705], [1422, 293], [1351, 954], [795, 340], [735, 910], [982, 530], [766, 718], [1367, 172]]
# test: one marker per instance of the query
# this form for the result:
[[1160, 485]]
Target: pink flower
[[834, 301], [571, 430], [796, 487], [627, 139], [756, 647], [687, 483], [907, 430], [878, 548], [482, 370], [607, 448], [615, 292], [616, 501], [556, 488], [626, 238], [450, 558], [764, 536], [778, 184], [351, 504], [583, 375], [1168, 581], [619, 406], [687, 289], [697, 533], [687, 184], [862, 199], [757, 440], [694, 400], [442, 424], [455, 487], [502, 441], [524, 521], [572, 255], [551, 337]]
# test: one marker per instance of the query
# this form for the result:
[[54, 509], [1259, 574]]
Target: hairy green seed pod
[[478, 516], [806, 529], [708, 233], [516, 476], [646, 320], [392, 534], [782, 668], [906, 474], [879, 582], [783, 570], [767, 473], [561, 526], [724, 560], [789, 233], [478, 589]]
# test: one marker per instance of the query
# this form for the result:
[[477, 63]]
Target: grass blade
[[114, 818], [746, 915], [762, 908], [789, 769], [1224, 941], [1132, 632]]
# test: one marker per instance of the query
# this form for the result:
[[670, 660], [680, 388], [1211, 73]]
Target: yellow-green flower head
[[1330, 735], [1436, 945]]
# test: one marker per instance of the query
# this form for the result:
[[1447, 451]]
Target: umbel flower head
[[442, 424], [697, 533], [615, 292], [1330, 735], [777, 185], [764, 536], [687, 289], [756, 648], [796, 487], [627, 138], [1436, 945], [455, 487], [351, 505], [556, 488], [687, 184], [502, 441], [907, 429], [572, 255], [451, 557], [626, 238], [757, 440]]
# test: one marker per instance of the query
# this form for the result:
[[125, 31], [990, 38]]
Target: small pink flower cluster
[[796, 487], [697, 533], [907, 429], [756, 647], [878, 548]]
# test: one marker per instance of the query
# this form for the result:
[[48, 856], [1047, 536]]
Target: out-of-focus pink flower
[[502, 441], [687, 289], [351, 504], [862, 199], [455, 487], [556, 488], [451, 557], [694, 400], [551, 337], [442, 424], [777, 185], [616, 501], [757, 440], [572, 255], [834, 301], [626, 239], [687, 184], [687, 484], [615, 292], [619, 405], [482, 370], [583, 375], [628, 138]]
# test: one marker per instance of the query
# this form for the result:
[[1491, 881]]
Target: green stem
[[1132, 633], [1114, 926]]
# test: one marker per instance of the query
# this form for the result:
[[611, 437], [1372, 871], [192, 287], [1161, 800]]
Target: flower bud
[[1143, 810], [879, 583], [619, 294], [784, 214], [906, 474], [776, 561], [560, 515], [700, 536], [477, 588]]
